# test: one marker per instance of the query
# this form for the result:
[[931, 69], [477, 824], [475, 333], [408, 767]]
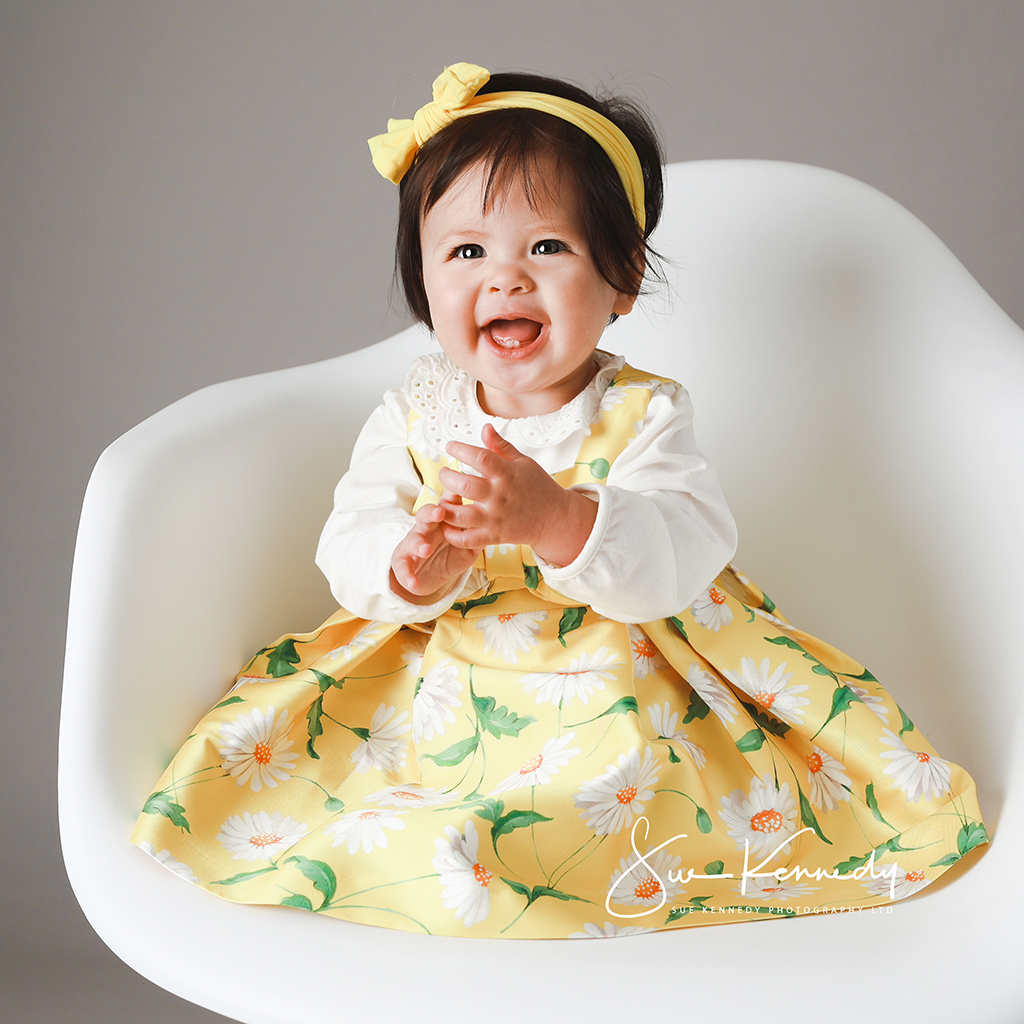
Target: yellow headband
[[455, 96]]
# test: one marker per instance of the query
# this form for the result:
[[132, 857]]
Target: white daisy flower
[[585, 674], [363, 639], [872, 700], [642, 885], [435, 697], [771, 889], [710, 609], [408, 796], [384, 750], [646, 657], [716, 695], [782, 627], [612, 397], [412, 655], [611, 801], [610, 931], [417, 440], [765, 816], [918, 774], [364, 829], [256, 748], [771, 689], [464, 880], [510, 633], [258, 836], [172, 864], [664, 721], [501, 549], [906, 882], [539, 769], [828, 780], [249, 680]]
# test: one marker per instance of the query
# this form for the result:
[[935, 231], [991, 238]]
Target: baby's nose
[[510, 277]]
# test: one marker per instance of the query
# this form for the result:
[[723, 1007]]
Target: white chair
[[833, 346]]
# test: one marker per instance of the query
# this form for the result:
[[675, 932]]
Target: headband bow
[[455, 95]]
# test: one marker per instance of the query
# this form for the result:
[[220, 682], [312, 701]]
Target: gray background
[[187, 197]]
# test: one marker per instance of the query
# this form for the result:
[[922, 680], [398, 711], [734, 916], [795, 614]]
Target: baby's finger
[[472, 487], [485, 462], [497, 444]]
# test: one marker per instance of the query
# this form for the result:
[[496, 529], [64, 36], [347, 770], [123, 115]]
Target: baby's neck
[[514, 405]]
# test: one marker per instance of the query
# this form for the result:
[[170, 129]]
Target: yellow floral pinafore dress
[[525, 767]]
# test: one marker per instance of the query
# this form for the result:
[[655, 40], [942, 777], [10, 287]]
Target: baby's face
[[515, 298]]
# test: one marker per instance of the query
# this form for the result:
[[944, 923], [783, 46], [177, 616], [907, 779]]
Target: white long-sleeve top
[[663, 530]]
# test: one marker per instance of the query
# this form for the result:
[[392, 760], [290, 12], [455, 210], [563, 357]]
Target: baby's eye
[[469, 251], [549, 246]]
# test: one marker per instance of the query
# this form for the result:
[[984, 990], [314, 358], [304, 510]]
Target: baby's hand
[[424, 564], [514, 502]]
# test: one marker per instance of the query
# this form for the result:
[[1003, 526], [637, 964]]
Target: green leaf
[[334, 804], [491, 809], [361, 731], [244, 876], [465, 606], [846, 866], [457, 752], [944, 862], [315, 727], [769, 724], [908, 725], [785, 641], [622, 706], [716, 867], [513, 820], [821, 670], [499, 721], [532, 576], [326, 681], [283, 658], [523, 890], [673, 757], [750, 741], [842, 698], [864, 677], [704, 820], [545, 890], [808, 818], [599, 468], [698, 708], [869, 799], [320, 874], [973, 834], [767, 603], [572, 618], [672, 620], [297, 900], [161, 803], [231, 700]]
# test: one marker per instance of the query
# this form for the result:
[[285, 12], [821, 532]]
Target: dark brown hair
[[510, 143]]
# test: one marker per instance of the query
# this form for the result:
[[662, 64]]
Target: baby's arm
[[644, 545], [514, 501], [663, 530], [372, 517], [424, 565]]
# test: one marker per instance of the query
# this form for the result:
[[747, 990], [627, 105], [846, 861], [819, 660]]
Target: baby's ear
[[623, 303]]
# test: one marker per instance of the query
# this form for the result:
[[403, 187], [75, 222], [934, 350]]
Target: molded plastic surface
[[834, 348]]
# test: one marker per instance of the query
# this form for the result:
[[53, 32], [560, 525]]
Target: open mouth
[[514, 333]]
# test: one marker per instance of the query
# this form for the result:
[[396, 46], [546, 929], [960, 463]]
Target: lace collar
[[446, 398]]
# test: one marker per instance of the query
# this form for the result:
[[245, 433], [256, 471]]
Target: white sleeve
[[373, 505], [663, 530]]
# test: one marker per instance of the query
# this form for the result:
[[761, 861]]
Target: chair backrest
[[864, 401]]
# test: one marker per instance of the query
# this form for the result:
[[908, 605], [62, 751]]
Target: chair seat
[[834, 348]]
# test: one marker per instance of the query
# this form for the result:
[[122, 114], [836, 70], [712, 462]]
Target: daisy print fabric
[[524, 767]]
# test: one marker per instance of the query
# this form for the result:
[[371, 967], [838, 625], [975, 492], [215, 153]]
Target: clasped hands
[[514, 501]]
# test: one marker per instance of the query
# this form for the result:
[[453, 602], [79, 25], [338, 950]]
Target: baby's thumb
[[497, 444]]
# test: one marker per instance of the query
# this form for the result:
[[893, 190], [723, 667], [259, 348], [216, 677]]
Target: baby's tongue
[[514, 332]]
